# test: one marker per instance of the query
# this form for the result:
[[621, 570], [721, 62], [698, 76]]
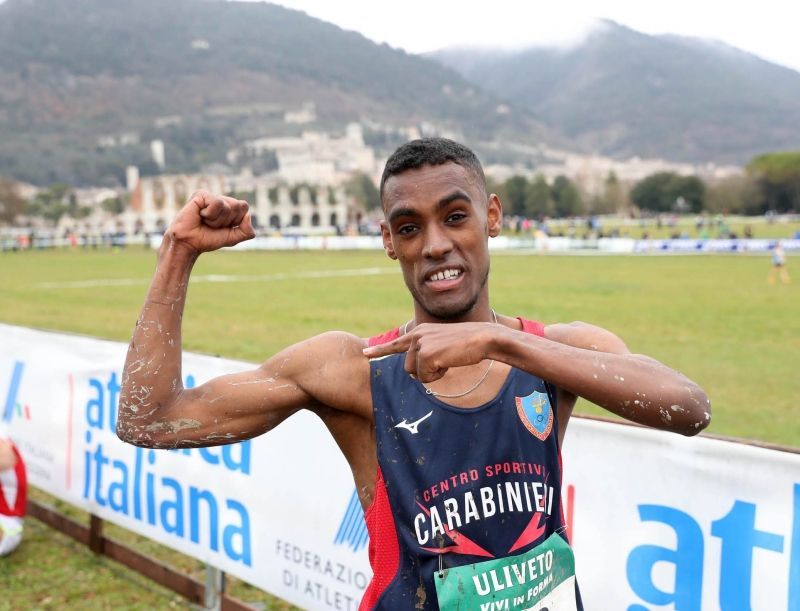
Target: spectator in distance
[[13, 496]]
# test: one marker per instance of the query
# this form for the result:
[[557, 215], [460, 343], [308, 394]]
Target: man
[[13, 496], [452, 424]]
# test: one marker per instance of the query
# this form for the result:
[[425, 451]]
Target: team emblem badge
[[536, 414]]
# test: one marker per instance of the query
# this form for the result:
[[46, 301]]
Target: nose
[[437, 243]]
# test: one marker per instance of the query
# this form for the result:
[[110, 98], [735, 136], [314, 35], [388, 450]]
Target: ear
[[386, 234], [494, 216]]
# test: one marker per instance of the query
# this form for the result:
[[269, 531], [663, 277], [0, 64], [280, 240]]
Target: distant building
[[167, 121], [304, 209], [99, 219], [131, 177], [308, 209], [316, 158], [157, 150], [125, 139], [157, 199], [306, 114]]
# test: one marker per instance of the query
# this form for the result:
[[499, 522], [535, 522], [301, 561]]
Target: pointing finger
[[401, 344]]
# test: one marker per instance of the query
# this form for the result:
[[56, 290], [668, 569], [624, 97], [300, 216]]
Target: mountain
[[623, 93], [203, 75]]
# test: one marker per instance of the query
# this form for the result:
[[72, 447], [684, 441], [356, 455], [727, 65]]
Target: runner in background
[[13, 496], [778, 265]]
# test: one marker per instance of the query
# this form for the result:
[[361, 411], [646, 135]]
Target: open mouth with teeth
[[445, 278]]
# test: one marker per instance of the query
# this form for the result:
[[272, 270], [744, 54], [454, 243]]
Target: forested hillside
[[624, 93], [75, 71]]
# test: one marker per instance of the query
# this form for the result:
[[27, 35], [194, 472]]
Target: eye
[[456, 216], [406, 229]]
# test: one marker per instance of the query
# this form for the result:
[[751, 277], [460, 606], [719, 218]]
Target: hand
[[431, 349], [209, 222]]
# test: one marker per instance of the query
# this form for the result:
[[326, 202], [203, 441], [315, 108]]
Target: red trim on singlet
[[18, 511], [532, 327], [528, 326], [384, 548], [561, 498], [387, 337]]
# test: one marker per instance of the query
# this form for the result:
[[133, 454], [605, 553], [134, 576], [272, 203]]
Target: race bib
[[542, 579]]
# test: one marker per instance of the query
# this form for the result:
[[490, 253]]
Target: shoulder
[[588, 337], [327, 350], [330, 368], [337, 344]]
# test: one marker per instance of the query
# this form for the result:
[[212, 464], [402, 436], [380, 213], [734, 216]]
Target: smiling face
[[439, 219]]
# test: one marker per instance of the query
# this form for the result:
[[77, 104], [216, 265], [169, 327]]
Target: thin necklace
[[430, 391]]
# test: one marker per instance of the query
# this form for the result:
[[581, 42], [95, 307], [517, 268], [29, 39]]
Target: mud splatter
[[173, 426]]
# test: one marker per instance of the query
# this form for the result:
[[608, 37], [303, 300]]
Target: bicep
[[586, 336], [235, 407], [240, 406], [226, 409]]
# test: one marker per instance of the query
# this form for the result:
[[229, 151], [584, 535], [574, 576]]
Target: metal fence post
[[96, 539], [215, 586]]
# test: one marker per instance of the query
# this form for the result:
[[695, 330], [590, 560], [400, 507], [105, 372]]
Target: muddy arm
[[154, 408]]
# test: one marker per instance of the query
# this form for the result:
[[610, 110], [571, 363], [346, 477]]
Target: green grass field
[[714, 318]]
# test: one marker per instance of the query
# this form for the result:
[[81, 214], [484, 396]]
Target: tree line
[[771, 182], [537, 198]]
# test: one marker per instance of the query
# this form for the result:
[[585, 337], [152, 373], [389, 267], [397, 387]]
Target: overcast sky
[[769, 28]]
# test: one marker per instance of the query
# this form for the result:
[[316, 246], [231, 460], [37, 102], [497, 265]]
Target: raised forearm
[[151, 378], [635, 387]]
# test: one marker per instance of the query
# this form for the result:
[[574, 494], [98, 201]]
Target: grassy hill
[[624, 93], [75, 71]]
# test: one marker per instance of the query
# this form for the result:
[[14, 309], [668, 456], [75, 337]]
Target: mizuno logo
[[412, 426]]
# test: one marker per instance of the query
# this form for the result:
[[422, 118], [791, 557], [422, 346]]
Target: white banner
[[713, 245], [279, 511], [698, 523], [657, 521], [554, 244]]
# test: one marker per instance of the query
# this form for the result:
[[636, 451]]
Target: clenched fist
[[210, 222]]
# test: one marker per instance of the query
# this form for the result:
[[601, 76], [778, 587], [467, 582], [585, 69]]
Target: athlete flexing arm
[[327, 374], [439, 221]]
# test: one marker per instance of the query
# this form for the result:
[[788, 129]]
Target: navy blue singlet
[[457, 486]]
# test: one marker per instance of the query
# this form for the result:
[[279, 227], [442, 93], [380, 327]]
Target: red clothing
[[528, 326], [13, 487]]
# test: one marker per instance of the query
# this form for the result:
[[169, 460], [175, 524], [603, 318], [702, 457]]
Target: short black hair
[[431, 151]]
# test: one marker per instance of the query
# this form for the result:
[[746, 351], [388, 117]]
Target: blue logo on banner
[[739, 538], [353, 529], [13, 389]]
